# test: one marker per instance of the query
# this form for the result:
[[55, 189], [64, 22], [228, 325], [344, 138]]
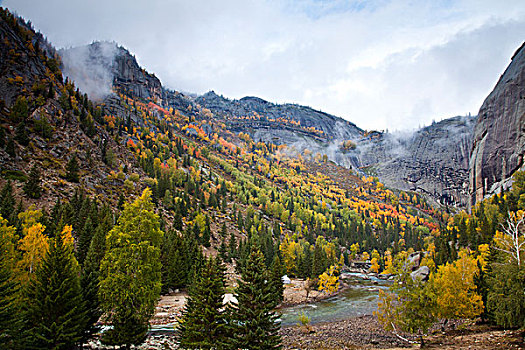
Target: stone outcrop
[[499, 136], [433, 160], [278, 123]]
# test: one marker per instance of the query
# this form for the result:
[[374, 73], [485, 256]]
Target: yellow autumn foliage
[[328, 280], [453, 285], [34, 247]]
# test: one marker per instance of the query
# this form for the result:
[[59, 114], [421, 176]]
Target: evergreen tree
[[173, 264], [55, 317], [223, 251], [203, 323], [8, 310], [19, 110], [89, 287], [7, 200], [84, 240], [206, 234], [505, 299], [130, 272], [276, 279], [253, 323], [21, 134], [72, 169], [223, 230], [32, 187], [232, 247], [9, 320], [10, 147]]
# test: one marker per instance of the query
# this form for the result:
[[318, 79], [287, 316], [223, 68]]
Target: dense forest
[[149, 199]]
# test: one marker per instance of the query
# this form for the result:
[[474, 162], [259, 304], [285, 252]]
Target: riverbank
[[362, 332], [365, 332]]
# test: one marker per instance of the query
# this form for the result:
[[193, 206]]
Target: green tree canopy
[[130, 278]]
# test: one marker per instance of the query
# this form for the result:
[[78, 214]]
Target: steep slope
[[44, 122], [499, 136], [433, 161]]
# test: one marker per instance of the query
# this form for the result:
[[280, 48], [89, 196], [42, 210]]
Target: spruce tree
[[223, 251], [8, 310], [253, 323], [55, 315], [9, 315], [130, 272], [276, 280], [72, 170], [10, 147], [505, 297], [32, 187], [7, 200], [232, 247], [203, 323], [21, 134]]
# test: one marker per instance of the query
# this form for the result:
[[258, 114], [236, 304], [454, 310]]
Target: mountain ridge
[[304, 129]]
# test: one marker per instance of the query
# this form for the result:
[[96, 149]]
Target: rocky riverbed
[[356, 333]]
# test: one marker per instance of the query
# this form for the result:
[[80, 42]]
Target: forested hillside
[[107, 204]]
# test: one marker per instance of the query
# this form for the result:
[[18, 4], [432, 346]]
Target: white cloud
[[381, 64]]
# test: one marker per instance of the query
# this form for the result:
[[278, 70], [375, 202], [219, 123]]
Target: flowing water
[[358, 300]]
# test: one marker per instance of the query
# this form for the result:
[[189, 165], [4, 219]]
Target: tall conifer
[[253, 323], [203, 323], [55, 314]]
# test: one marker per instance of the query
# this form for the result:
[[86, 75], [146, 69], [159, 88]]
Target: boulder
[[421, 274]]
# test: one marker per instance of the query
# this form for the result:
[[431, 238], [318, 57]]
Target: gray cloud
[[91, 71], [382, 64]]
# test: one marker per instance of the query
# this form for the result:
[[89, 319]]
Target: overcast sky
[[380, 64]]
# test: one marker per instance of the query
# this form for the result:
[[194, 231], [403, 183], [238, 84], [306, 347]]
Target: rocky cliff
[[499, 136], [290, 124], [434, 160]]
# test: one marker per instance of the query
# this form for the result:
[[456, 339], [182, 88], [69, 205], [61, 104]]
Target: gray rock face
[[280, 124], [434, 160], [421, 274], [499, 136]]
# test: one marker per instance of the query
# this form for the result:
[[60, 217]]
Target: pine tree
[[206, 234], [32, 187], [253, 323], [21, 134], [232, 247], [7, 200], [223, 251], [84, 240], [223, 230], [55, 317], [19, 110], [276, 280], [10, 147], [72, 169], [505, 299], [130, 279], [8, 287], [203, 322]]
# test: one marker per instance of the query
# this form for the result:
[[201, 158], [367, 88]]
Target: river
[[359, 299]]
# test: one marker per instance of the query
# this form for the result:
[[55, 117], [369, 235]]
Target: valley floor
[[366, 333]]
